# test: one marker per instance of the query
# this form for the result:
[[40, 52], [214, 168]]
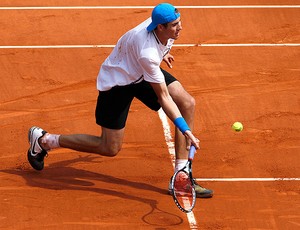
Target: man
[[132, 70]]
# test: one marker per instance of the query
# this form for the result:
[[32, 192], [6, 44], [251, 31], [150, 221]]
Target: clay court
[[240, 63]]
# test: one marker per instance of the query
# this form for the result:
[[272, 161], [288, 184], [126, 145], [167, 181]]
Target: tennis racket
[[183, 185]]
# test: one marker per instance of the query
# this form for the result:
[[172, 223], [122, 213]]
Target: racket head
[[183, 190]]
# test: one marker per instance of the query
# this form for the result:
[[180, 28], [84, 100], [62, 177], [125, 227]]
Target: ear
[[160, 27]]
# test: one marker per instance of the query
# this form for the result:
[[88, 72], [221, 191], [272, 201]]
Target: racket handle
[[192, 152]]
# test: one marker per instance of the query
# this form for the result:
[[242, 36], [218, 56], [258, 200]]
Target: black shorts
[[113, 105]]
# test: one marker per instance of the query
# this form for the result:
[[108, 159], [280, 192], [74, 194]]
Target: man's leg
[[186, 104], [108, 144], [111, 112]]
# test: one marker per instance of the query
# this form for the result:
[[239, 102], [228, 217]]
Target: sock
[[51, 140], [179, 164]]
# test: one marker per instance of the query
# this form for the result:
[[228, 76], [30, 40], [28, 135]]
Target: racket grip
[[192, 152]]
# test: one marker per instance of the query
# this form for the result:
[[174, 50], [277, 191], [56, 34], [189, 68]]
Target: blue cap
[[161, 14]]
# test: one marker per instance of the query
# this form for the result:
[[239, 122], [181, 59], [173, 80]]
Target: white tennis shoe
[[36, 153]]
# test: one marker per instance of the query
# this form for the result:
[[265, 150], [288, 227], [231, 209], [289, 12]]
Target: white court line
[[247, 179], [57, 46], [145, 7], [175, 45]]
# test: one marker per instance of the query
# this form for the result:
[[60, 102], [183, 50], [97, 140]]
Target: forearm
[[170, 108], [172, 111]]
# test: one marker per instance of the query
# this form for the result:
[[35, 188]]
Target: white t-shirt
[[137, 56]]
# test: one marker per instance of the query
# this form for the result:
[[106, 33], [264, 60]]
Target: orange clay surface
[[55, 89]]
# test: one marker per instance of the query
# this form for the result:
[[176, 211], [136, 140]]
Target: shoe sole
[[204, 195], [37, 165], [30, 132]]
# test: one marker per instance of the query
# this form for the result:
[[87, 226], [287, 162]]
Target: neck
[[159, 36]]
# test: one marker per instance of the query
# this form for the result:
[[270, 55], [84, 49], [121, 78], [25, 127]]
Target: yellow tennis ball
[[237, 126]]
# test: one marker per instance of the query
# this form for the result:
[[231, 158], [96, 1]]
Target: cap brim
[[151, 27]]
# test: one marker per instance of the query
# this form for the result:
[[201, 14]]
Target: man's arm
[[166, 101], [172, 111]]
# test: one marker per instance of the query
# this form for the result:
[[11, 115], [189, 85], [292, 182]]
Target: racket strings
[[184, 190], [182, 185]]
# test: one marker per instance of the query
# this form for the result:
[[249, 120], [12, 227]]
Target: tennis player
[[132, 70]]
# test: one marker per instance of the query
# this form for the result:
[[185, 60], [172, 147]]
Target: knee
[[181, 97], [111, 150], [192, 103], [188, 104]]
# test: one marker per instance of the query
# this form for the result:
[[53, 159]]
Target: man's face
[[173, 29]]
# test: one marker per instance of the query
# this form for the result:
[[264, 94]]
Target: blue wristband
[[181, 124]]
